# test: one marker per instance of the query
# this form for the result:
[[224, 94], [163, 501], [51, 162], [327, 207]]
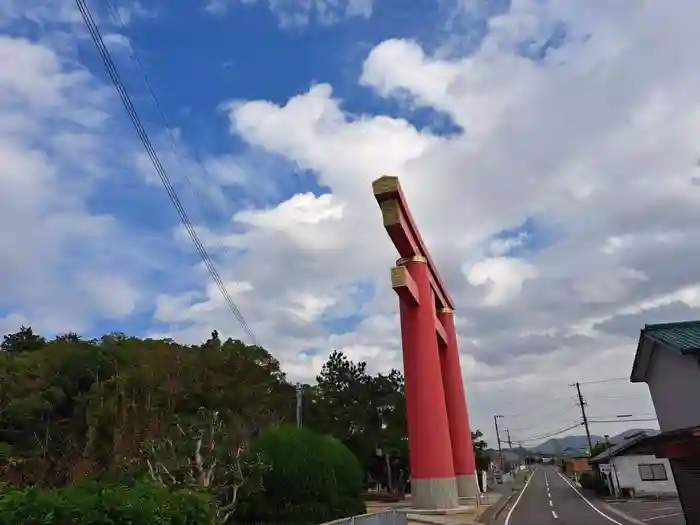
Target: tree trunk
[[389, 481]]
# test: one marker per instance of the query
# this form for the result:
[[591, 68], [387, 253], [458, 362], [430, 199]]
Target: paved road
[[548, 499], [661, 512]]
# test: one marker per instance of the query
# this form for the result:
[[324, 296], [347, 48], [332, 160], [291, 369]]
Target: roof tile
[[683, 337]]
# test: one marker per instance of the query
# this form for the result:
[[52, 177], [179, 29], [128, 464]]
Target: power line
[[598, 397], [610, 380], [549, 435], [621, 416], [166, 124], [529, 412], [143, 136], [548, 415], [623, 420]]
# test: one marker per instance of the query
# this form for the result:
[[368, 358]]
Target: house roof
[[683, 337], [621, 446], [678, 433], [676, 444]]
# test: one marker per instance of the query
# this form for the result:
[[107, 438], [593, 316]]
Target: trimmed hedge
[[99, 504], [311, 479]]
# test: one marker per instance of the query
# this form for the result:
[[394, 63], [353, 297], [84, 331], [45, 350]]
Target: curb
[[491, 514]]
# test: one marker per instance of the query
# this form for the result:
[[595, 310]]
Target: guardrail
[[387, 517]]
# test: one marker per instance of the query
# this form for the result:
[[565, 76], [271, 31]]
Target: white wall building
[[668, 360], [639, 476], [629, 469]]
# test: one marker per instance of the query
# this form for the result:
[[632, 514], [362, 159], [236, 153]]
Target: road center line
[[588, 502], [555, 515], [550, 503], [510, 512]]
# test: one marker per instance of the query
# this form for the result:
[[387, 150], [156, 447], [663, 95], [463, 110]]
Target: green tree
[[84, 408], [310, 479], [480, 455], [598, 448], [387, 426], [23, 341], [366, 412]]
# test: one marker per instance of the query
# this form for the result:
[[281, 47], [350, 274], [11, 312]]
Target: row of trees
[[117, 408]]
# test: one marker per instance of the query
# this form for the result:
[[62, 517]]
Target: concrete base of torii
[[468, 487]]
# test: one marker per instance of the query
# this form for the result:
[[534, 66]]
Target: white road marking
[[588, 502], [549, 495], [510, 512], [555, 515], [663, 516], [550, 503]]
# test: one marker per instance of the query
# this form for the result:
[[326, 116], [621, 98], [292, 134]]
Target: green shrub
[[90, 503], [592, 481], [311, 479]]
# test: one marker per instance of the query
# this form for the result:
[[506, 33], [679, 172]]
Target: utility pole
[[498, 438], [582, 404], [498, 435], [299, 394], [510, 445]]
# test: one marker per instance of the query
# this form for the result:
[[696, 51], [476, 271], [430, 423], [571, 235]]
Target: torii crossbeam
[[440, 446]]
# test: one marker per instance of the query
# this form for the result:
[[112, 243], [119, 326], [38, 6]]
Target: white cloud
[[57, 143], [597, 139], [299, 13], [504, 277]]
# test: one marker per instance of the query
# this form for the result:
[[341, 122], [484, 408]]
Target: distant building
[[574, 467], [630, 468], [668, 361]]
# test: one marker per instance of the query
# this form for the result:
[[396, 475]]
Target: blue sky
[[194, 61]]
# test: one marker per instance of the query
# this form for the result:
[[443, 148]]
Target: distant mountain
[[509, 454], [565, 446], [573, 445]]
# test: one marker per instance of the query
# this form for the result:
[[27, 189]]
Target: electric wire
[[133, 55], [640, 420], [540, 418], [172, 194], [601, 381], [549, 435], [535, 410]]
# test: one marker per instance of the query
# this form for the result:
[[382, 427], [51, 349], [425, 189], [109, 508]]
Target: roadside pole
[[498, 438], [298, 411], [582, 404]]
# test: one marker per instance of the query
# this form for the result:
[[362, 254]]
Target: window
[[653, 472]]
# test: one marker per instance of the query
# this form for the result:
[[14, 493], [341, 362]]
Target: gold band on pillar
[[445, 310], [412, 258]]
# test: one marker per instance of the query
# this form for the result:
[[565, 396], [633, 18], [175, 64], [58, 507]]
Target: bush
[[98, 504], [590, 481], [311, 479]]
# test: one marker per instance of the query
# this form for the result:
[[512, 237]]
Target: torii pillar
[[441, 453]]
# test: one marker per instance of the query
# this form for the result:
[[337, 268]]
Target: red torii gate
[[441, 454]]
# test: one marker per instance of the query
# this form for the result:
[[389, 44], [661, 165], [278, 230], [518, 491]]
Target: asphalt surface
[[548, 499], [661, 512]]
